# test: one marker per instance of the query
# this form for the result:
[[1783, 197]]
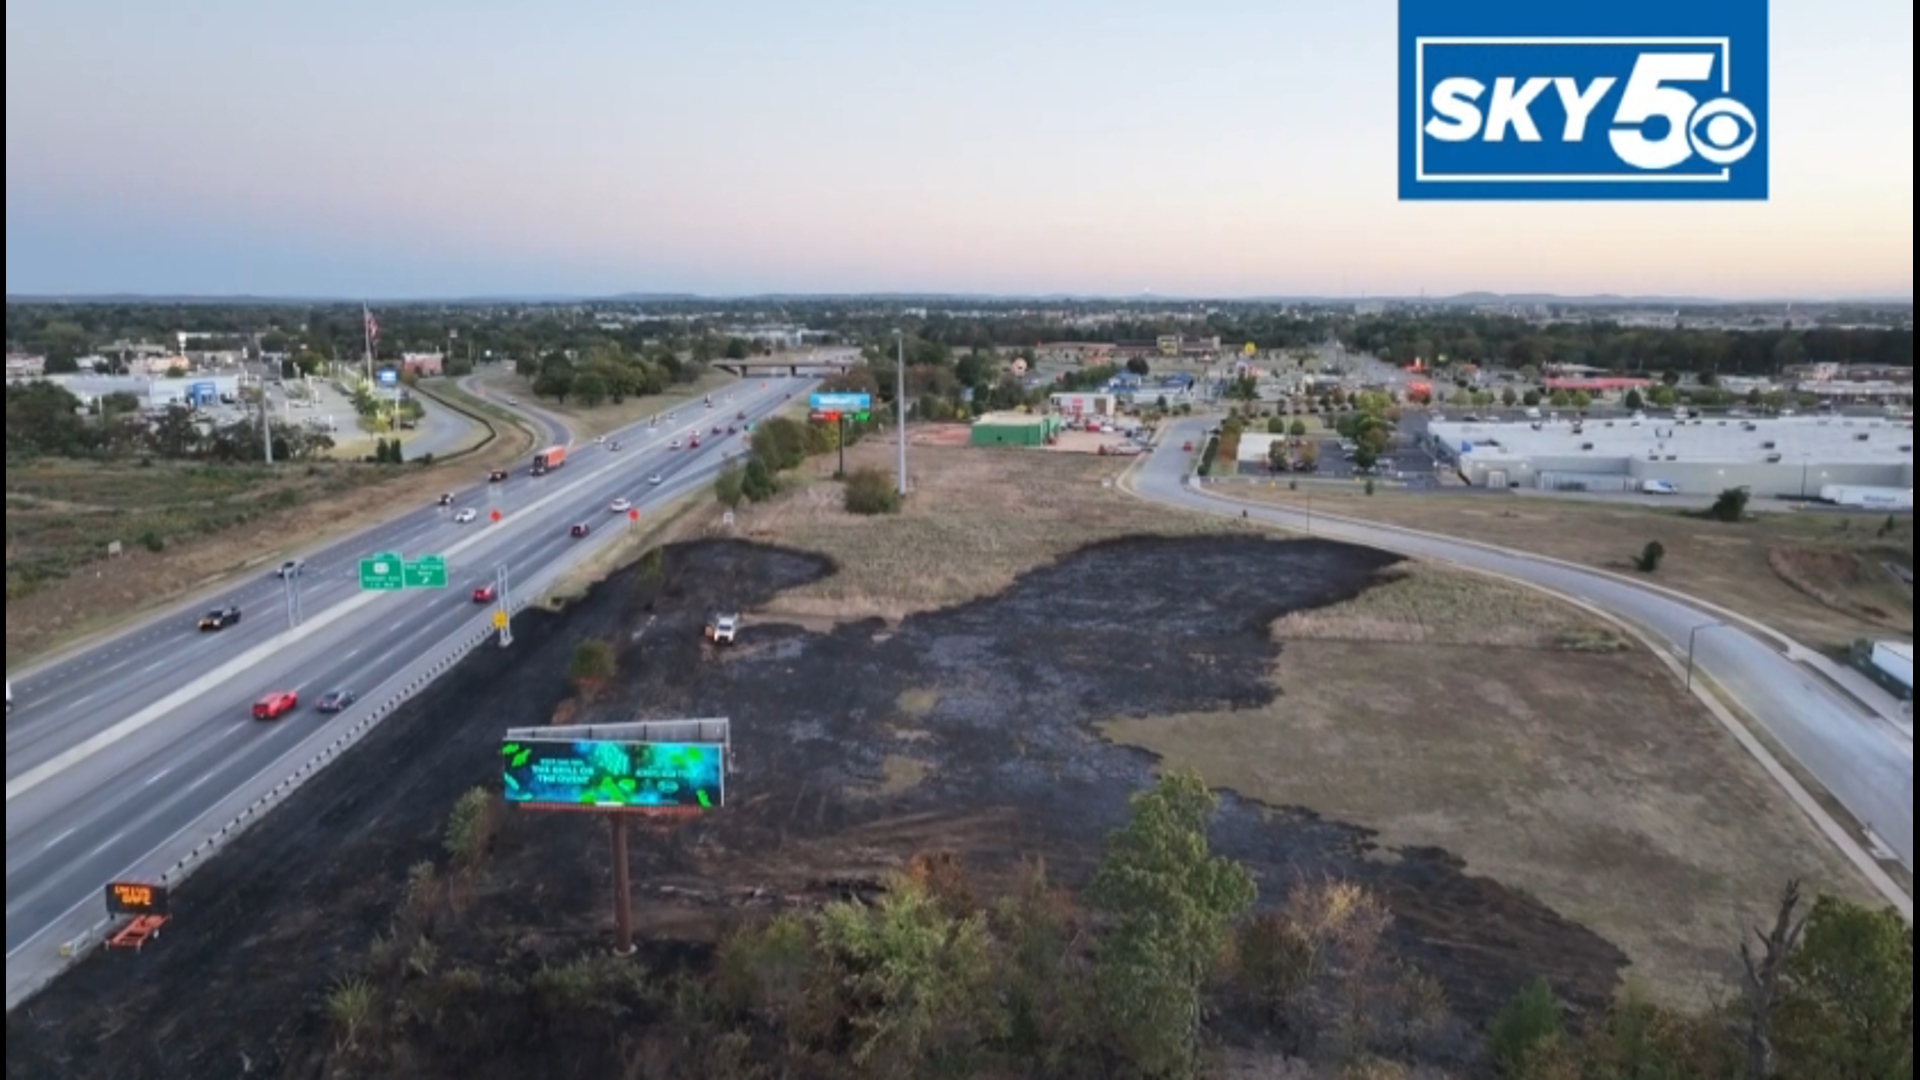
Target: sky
[[446, 148]]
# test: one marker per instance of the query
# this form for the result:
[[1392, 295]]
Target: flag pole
[[366, 324]]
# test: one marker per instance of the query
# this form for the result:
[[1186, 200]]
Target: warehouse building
[[1015, 429], [1792, 457]]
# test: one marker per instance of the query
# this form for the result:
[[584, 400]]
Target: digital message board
[[613, 774], [136, 898], [840, 403]]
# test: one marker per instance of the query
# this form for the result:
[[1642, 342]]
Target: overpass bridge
[[817, 363]]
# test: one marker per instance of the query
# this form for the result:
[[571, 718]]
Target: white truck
[[721, 629], [1658, 487]]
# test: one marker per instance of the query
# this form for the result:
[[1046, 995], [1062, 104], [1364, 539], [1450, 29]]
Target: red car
[[485, 594], [276, 705], [1186, 446], [693, 443]]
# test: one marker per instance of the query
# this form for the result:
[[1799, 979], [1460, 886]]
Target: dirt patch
[[1728, 564], [1010, 766], [611, 416], [1455, 713]]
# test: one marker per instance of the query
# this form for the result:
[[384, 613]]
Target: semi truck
[[549, 459]]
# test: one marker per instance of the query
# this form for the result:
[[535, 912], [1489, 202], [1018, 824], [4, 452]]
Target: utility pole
[[900, 398], [266, 421], [292, 585]]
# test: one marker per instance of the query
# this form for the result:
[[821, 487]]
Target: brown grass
[[1834, 588], [610, 416], [333, 499], [1456, 711], [975, 519]]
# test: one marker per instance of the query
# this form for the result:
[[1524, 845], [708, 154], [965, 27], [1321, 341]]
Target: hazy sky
[[458, 147]]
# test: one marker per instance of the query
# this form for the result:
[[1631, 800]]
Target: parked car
[[220, 618], [276, 704], [336, 701]]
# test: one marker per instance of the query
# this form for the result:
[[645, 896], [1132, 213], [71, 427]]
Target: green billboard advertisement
[[600, 774]]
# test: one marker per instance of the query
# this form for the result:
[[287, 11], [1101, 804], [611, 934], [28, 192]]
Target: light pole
[[900, 399], [1691, 634]]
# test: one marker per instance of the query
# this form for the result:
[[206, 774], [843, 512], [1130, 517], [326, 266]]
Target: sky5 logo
[[1629, 99]]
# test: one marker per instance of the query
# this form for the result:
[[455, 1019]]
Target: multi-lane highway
[[1861, 758], [114, 751]]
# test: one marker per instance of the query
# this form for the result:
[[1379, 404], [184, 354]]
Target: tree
[[1138, 365], [870, 491], [1244, 388], [590, 387], [554, 382], [1277, 457], [780, 442], [1763, 979], [738, 348], [1846, 996], [1298, 429], [1172, 902], [1634, 401], [1529, 1025], [1730, 506], [757, 482], [1561, 399], [727, 487], [1508, 397]]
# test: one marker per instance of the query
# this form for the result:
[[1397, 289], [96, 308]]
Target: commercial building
[[423, 364], [1792, 457], [1015, 429], [1083, 405]]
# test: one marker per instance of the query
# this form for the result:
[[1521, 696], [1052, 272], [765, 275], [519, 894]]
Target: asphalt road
[[1861, 759], [73, 826]]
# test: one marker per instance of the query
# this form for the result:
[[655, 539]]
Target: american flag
[[373, 325]]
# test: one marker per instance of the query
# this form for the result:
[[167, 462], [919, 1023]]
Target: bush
[[1369, 485], [1731, 506], [1529, 1024], [592, 665], [470, 827], [153, 541], [1649, 558], [728, 487], [1207, 455], [757, 483], [869, 491]]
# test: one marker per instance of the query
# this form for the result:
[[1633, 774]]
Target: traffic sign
[[1250, 349], [383, 572], [499, 620], [633, 514], [495, 515], [426, 572]]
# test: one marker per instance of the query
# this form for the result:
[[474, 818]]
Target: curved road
[[115, 751], [1862, 760]]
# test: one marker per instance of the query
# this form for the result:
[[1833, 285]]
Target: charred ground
[[969, 729]]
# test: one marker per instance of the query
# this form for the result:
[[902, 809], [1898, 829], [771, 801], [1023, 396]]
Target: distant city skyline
[[1215, 150]]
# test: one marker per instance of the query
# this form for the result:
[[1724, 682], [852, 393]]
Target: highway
[[167, 706], [1861, 758]]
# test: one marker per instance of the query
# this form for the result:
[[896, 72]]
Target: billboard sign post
[[663, 769]]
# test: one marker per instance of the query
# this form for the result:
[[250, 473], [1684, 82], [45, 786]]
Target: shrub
[[1730, 506], [728, 487], [592, 665], [1527, 1025], [1649, 558], [1369, 485], [757, 483], [153, 541], [869, 491], [470, 827]]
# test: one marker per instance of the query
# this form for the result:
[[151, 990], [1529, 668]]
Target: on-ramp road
[[113, 751], [1862, 760]]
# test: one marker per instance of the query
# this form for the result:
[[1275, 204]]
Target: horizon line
[[635, 297]]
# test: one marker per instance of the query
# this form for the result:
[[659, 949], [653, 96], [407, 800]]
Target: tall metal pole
[[266, 421], [506, 605], [900, 398]]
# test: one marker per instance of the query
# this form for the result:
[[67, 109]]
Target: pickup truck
[[721, 629], [220, 618]]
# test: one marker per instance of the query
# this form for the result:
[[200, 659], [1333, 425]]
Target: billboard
[[387, 377], [612, 774], [136, 898], [840, 403]]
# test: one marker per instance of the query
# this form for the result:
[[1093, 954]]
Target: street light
[[900, 399], [1691, 634]]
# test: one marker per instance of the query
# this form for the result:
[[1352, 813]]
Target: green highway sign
[[383, 572], [426, 572]]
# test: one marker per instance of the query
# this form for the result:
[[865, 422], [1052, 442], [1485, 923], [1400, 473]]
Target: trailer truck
[[549, 459]]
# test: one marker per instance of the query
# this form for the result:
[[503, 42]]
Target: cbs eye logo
[[1722, 131]]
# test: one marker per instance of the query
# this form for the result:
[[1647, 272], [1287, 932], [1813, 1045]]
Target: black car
[[579, 530], [220, 618], [336, 701]]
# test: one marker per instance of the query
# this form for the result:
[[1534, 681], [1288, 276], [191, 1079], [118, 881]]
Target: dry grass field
[[184, 527], [610, 416], [1819, 577], [977, 518], [1448, 710]]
